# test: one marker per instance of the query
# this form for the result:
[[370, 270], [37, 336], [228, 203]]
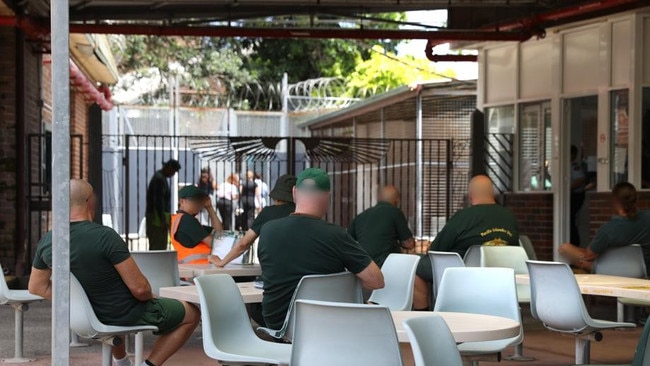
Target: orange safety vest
[[197, 255]]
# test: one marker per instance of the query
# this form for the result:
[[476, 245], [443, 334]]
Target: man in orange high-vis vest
[[190, 239]]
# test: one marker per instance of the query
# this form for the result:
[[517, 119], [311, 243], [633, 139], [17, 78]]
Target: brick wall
[[534, 213]]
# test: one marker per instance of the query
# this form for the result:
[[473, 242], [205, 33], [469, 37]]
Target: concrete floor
[[546, 347]]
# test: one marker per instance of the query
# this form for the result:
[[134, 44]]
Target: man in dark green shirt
[[382, 229], [159, 207], [303, 244], [283, 206], [118, 291], [628, 226], [484, 223]]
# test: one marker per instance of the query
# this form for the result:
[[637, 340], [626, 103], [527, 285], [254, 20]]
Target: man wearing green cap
[[283, 206], [159, 205], [303, 244], [190, 239]]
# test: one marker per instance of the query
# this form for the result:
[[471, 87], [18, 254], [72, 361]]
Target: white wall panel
[[646, 50], [621, 47], [581, 61], [500, 74], [535, 69]]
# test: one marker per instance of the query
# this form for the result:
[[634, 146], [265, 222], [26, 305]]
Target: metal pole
[[419, 164], [60, 183]]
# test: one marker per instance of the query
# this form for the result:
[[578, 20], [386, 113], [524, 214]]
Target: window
[[619, 135], [499, 146], [535, 147], [645, 143]]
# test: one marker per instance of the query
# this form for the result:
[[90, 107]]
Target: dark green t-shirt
[[489, 224], [94, 252], [190, 232], [272, 213], [300, 245], [621, 231], [379, 230]]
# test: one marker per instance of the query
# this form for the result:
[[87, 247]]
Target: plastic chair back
[[83, 320], [488, 291], [524, 242], [329, 333], [508, 257], [555, 297], [160, 267], [227, 332], [432, 342], [641, 358], [399, 278], [440, 261], [626, 261], [336, 287], [472, 256], [4, 288]]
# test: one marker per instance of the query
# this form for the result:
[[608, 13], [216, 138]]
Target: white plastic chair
[[329, 333], [440, 261], [624, 261], [488, 291], [524, 242], [84, 322], [472, 256], [336, 287], [227, 333], [557, 302], [432, 341], [399, 278], [17, 299], [513, 257]]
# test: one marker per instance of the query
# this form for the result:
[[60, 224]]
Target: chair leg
[[519, 354], [74, 340], [107, 359], [138, 348], [620, 312], [18, 335], [583, 346]]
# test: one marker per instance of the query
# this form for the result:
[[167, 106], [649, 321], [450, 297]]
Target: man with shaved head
[[483, 223], [117, 290], [383, 229]]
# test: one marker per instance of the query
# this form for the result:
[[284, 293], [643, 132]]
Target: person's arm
[[371, 277], [407, 241], [40, 283], [214, 220], [134, 279], [258, 198], [446, 238], [238, 249]]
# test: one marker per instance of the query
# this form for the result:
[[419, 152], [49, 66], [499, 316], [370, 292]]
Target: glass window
[[645, 143], [535, 147], [499, 146], [619, 140]]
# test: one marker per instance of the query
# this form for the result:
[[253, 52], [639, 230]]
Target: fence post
[[477, 143], [450, 172], [127, 188]]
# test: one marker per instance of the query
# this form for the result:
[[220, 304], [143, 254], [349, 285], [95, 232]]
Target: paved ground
[[547, 347]]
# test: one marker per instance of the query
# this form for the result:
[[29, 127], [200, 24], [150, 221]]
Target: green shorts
[[166, 314]]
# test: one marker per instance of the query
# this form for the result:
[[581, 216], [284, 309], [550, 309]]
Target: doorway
[[581, 113]]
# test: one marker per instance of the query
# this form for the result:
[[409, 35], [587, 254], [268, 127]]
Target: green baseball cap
[[313, 179], [191, 192]]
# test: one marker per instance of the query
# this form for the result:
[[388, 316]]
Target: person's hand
[[216, 260], [207, 203]]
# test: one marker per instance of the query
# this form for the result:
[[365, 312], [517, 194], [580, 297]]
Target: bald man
[[118, 291], [382, 229], [483, 223]]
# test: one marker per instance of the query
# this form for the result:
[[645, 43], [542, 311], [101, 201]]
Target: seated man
[[483, 223], [118, 291], [283, 206], [628, 226], [190, 239], [382, 229], [303, 244]]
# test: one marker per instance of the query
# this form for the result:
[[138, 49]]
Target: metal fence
[[431, 174]]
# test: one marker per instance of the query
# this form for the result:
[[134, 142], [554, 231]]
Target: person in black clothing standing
[[158, 211], [249, 192]]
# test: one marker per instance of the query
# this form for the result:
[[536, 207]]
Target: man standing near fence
[[158, 211]]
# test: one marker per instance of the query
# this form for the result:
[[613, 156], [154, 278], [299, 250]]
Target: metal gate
[[431, 174]]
